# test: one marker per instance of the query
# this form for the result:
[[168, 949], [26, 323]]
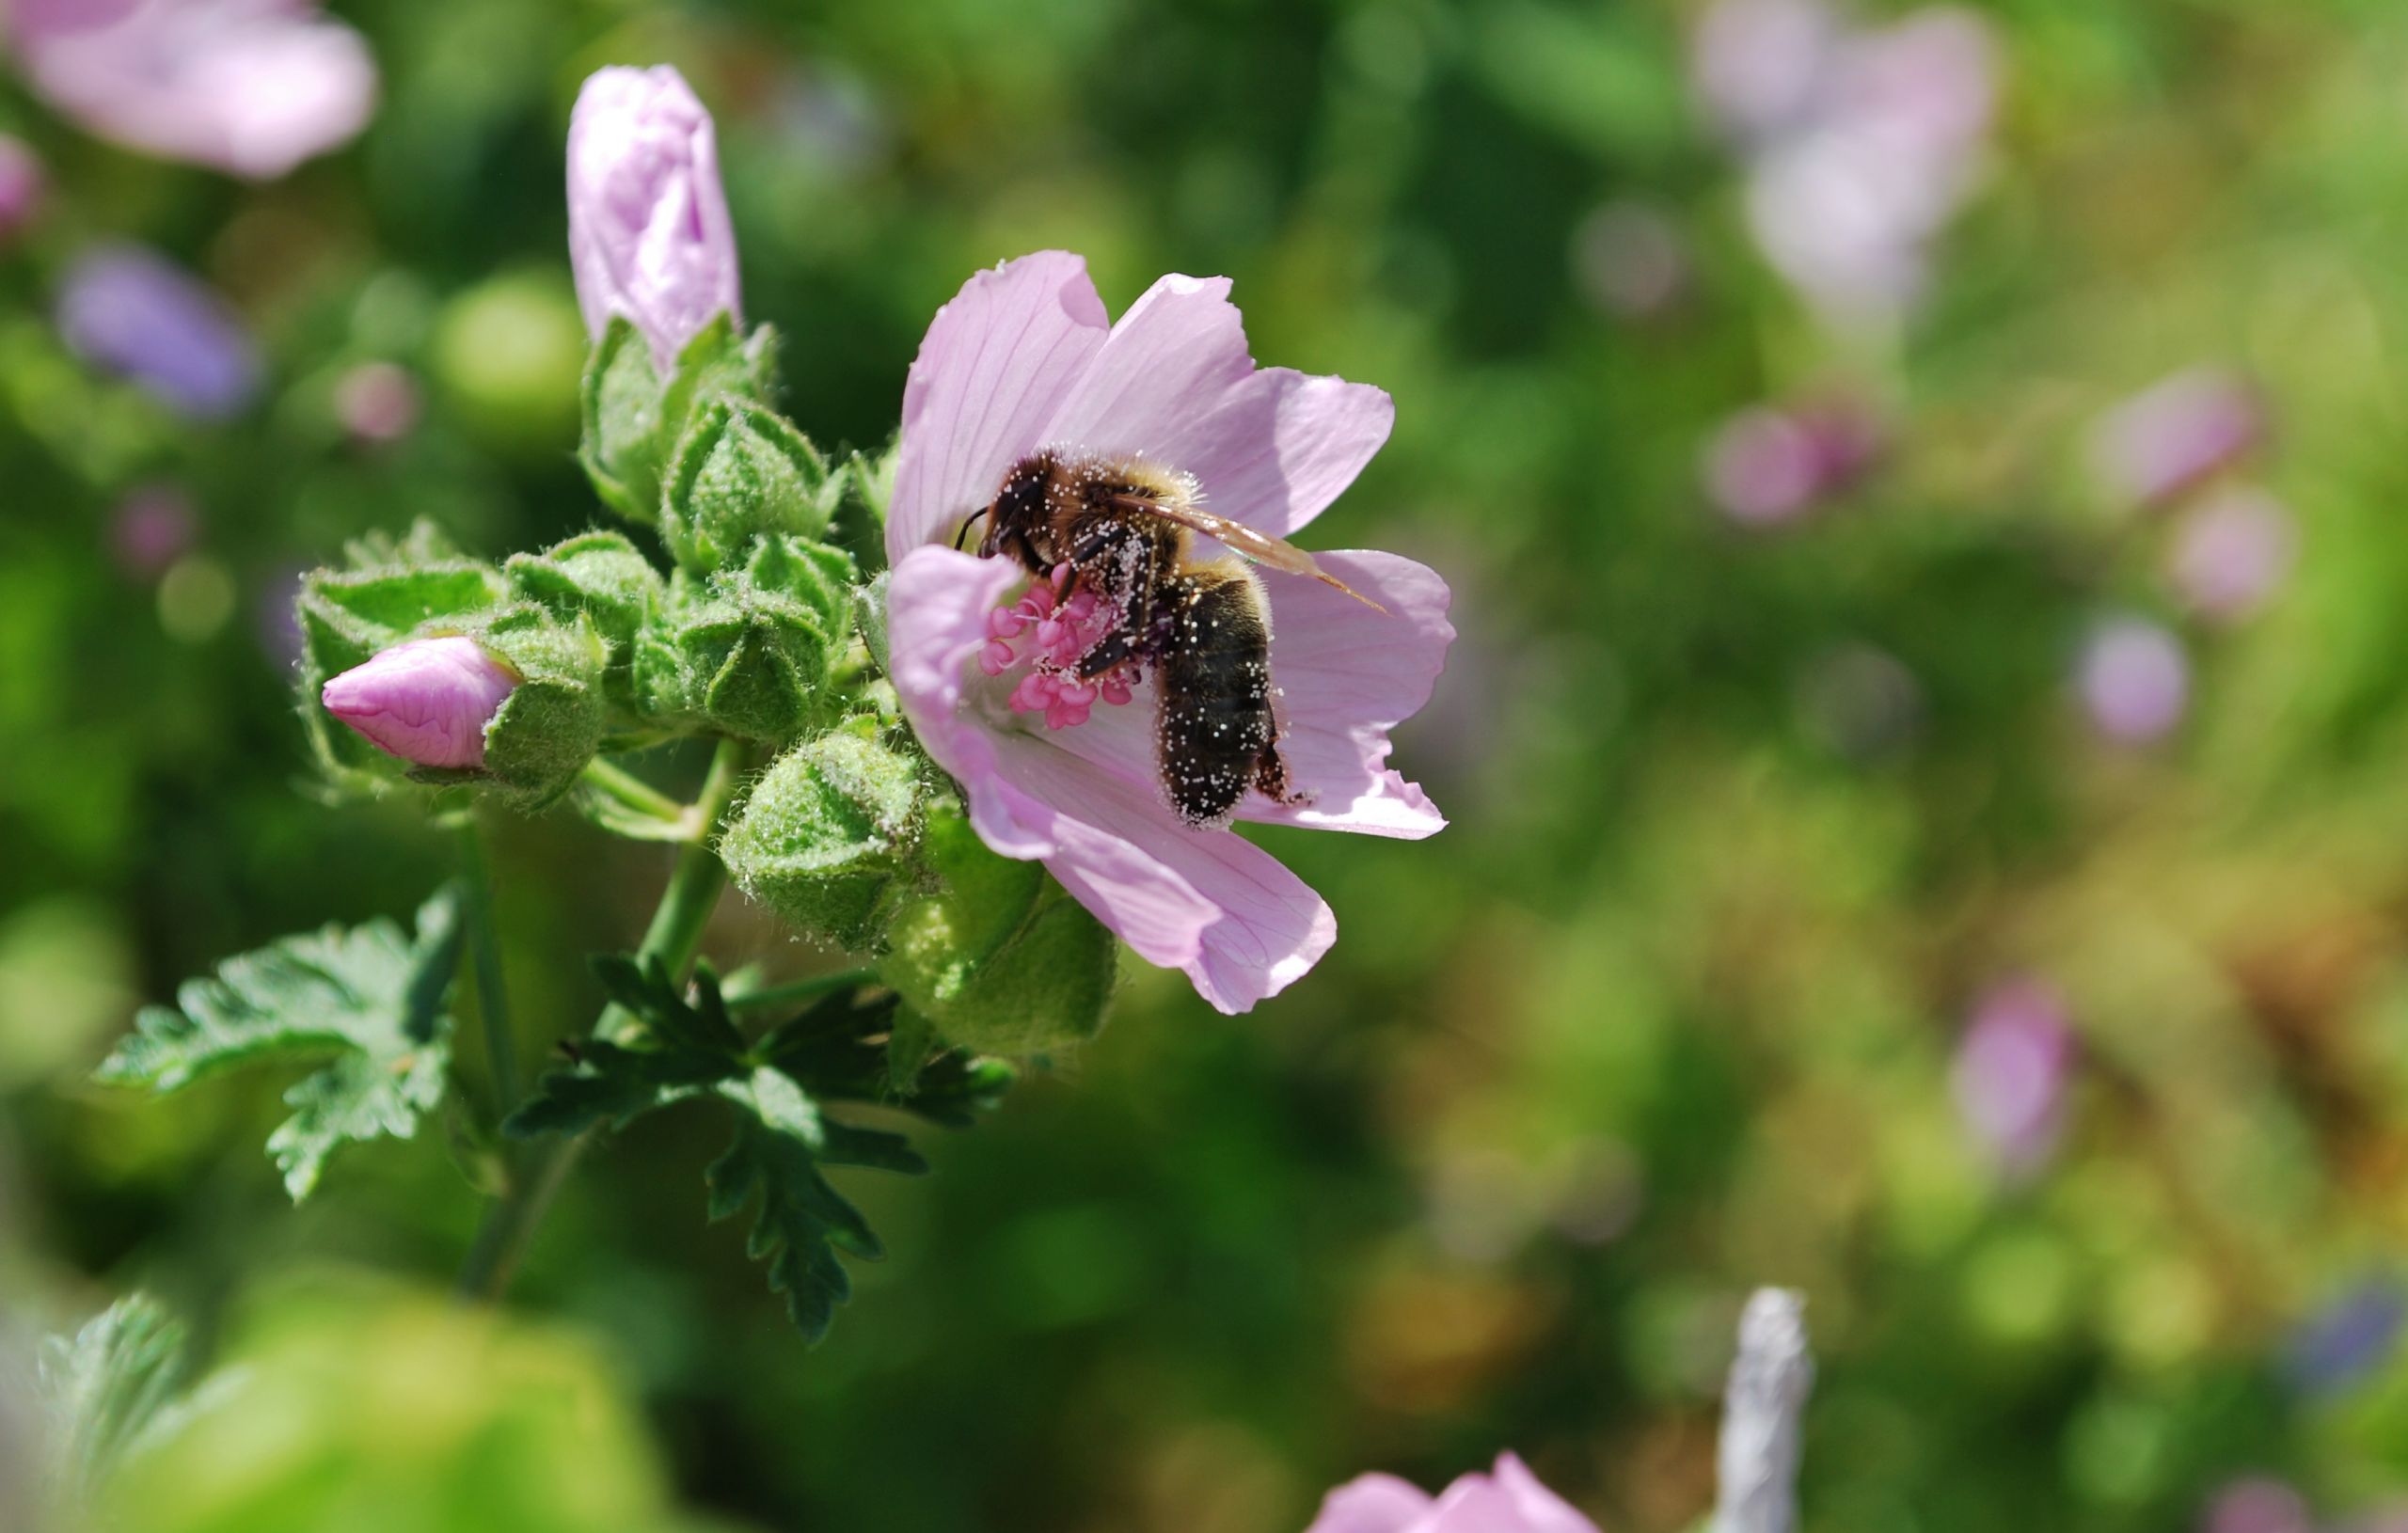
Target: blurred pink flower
[[22, 186], [649, 234], [427, 701], [152, 527], [2232, 552], [2258, 1505], [2010, 1073], [2134, 680], [1630, 260], [1768, 465], [1860, 145], [1507, 1500], [251, 87], [378, 402], [1025, 357], [2170, 436]]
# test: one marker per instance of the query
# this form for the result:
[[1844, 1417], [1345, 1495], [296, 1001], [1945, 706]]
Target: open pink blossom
[[251, 87], [427, 701], [1025, 358], [649, 234], [1509, 1500]]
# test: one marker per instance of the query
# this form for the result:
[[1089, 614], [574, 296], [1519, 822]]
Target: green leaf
[[802, 1222], [683, 1046], [371, 996], [103, 1386]]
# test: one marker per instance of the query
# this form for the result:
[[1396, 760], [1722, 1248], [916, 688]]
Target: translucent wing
[[1262, 547]]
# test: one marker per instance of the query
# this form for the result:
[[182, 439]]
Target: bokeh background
[[1929, 794]]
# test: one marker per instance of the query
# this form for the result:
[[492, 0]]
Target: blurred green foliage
[[1667, 1012]]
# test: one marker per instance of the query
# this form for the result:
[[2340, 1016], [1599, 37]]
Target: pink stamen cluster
[[1054, 632]]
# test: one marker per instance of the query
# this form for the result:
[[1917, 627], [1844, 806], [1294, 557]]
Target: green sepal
[[371, 996], [827, 835], [742, 471], [1001, 959], [633, 418], [606, 578], [553, 721]]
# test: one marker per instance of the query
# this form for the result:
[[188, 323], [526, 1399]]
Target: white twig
[[1757, 1458]]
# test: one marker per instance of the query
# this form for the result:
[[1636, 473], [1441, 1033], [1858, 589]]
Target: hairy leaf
[[102, 1386], [370, 995]]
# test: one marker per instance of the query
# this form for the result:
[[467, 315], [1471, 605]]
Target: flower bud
[[427, 701], [741, 471], [648, 227], [823, 840]]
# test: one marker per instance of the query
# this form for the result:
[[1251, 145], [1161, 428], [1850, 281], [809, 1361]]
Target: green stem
[[493, 995], [677, 930], [801, 989], [632, 793]]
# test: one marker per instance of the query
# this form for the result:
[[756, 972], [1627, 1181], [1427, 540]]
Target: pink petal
[[1269, 929], [994, 368], [1347, 676], [936, 617], [428, 700], [1171, 357], [1281, 445], [1371, 1504], [1541, 1509]]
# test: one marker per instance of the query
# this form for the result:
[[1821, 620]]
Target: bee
[[1201, 625]]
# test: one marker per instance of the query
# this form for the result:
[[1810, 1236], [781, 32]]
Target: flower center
[[1049, 633]]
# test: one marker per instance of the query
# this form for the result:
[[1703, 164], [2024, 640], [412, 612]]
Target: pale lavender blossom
[[649, 235], [134, 312], [427, 701], [1025, 356], [251, 87], [2011, 1071], [2232, 551], [152, 527], [2176, 433], [1509, 1499], [1860, 144], [2134, 680], [22, 186], [1768, 465]]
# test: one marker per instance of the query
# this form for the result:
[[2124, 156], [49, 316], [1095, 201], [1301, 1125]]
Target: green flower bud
[[603, 578], [742, 471], [553, 721], [1001, 958], [750, 652], [825, 837]]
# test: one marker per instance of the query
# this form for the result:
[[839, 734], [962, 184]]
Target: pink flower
[[22, 186], [251, 87], [2012, 1068], [2176, 433], [427, 701], [1024, 358], [2232, 552], [2134, 680], [1510, 1500], [1765, 466], [648, 229]]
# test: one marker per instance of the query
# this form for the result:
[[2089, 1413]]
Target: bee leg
[[1109, 651], [1271, 779]]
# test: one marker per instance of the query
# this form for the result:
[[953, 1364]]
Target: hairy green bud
[[742, 471], [824, 840]]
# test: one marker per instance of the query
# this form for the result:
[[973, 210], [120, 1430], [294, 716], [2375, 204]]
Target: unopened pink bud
[[427, 702], [649, 235]]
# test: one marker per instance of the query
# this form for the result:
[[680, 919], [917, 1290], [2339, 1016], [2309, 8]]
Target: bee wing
[[1262, 547]]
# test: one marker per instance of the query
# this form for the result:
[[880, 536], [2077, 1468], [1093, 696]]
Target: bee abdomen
[[1213, 675]]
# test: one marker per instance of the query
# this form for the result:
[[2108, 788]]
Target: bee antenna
[[968, 524]]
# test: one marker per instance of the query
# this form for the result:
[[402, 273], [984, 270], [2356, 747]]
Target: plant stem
[[677, 930], [493, 995], [639, 797], [801, 989]]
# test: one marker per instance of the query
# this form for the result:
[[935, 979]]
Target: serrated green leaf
[[683, 1046], [103, 1386], [802, 1222], [369, 995]]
